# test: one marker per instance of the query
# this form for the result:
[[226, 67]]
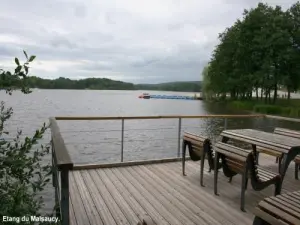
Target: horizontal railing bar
[[156, 117], [283, 118], [104, 131], [115, 140]]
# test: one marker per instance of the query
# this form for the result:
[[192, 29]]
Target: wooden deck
[[123, 195]]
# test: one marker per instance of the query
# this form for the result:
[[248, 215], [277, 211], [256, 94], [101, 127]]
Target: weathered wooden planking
[[159, 204], [79, 211], [160, 191], [264, 139], [118, 198], [169, 201], [87, 200], [102, 208], [128, 197], [188, 206], [109, 201], [149, 208], [287, 132], [203, 197], [123, 164], [72, 214]]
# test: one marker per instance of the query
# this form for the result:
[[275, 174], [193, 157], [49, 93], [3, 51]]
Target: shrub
[[22, 175]]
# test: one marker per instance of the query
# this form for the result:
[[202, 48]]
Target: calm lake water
[[100, 141]]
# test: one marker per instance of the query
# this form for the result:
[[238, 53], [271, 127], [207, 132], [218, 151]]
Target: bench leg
[[259, 221], [279, 162], [202, 168], [257, 157], [183, 157], [216, 173], [246, 184], [296, 171], [244, 180]]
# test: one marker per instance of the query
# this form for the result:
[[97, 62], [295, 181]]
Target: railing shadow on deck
[[62, 163]]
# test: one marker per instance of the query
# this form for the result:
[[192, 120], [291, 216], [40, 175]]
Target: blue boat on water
[[148, 96]]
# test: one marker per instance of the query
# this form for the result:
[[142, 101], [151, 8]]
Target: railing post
[[64, 204], [179, 137], [122, 140], [225, 123]]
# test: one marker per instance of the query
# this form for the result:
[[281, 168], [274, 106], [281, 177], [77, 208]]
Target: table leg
[[256, 154], [225, 139], [285, 162]]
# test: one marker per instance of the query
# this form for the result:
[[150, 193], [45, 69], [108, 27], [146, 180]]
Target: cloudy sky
[[135, 41]]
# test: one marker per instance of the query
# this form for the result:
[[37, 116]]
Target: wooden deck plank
[[118, 198], [97, 199], [87, 200], [230, 193], [128, 197], [168, 201], [110, 203], [158, 204], [180, 200], [152, 211], [195, 193], [125, 195], [72, 214], [189, 194], [79, 211]]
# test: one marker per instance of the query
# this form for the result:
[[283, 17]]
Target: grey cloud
[[150, 41]]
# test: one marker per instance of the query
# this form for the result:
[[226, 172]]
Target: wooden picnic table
[[289, 147]]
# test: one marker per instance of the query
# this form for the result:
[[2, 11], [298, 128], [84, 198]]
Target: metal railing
[[62, 163], [179, 118]]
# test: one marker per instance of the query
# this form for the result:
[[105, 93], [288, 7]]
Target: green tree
[[260, 51], [23, 174]]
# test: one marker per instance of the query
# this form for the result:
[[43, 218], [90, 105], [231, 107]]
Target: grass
[[282, 107]]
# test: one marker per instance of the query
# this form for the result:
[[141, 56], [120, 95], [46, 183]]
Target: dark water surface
[[100, 141]]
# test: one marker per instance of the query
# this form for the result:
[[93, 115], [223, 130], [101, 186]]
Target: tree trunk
[[275, 94], [289, 93], [256, 90]]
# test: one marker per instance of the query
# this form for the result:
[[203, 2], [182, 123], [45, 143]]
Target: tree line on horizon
[[259, 51], [100, 84]]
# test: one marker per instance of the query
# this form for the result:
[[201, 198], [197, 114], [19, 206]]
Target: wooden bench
[[240, 161], [199, 147], [294, 134], [288, 133], [282, 210]]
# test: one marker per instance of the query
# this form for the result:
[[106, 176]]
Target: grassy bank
[[283, 107]]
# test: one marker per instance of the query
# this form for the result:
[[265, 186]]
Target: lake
[[100, 141]]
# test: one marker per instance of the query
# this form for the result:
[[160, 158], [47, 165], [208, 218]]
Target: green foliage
[[107, 84], [22, 173], [284, 107], [260, 51]]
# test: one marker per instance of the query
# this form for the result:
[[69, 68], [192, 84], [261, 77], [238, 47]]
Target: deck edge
[[123, 164]]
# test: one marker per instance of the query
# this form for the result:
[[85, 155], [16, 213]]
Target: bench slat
[[268, 151], [233, 149], [283, 208], [291, 199], [232, 155], [267, 217], [286, 204], [266, 173], [286, 217]]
